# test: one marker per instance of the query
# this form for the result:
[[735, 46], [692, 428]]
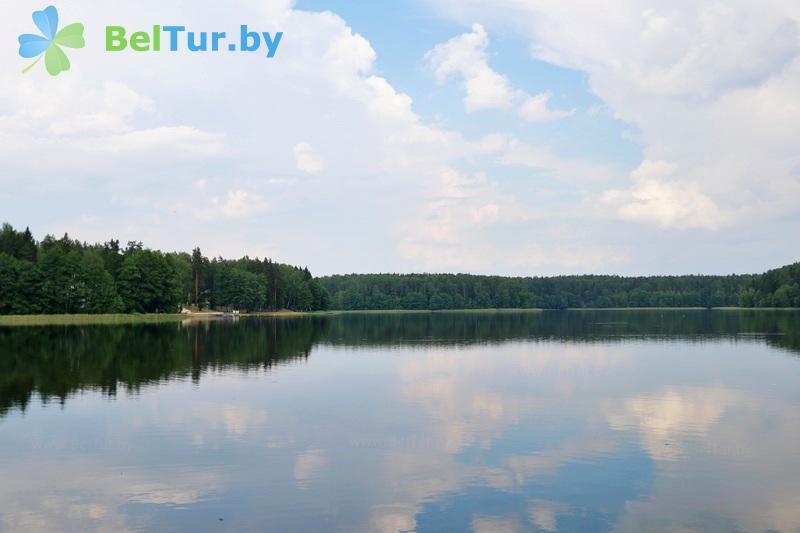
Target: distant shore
[[85, 319], [154, 318]]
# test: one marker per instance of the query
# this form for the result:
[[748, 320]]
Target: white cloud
[[241, 204], [691, 50], [465, 56], [166, 147], [78, 127], [655, 198], [233, 204], [122, 137], [448, 230], [170, 141], [535, 109], [710, 86], [306, 158], [107, 109], [511, 151], [485, 214]]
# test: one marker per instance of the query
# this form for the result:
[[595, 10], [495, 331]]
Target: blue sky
[[415, 29], [522, 137]]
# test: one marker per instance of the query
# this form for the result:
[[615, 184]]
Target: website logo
[[50, 41], [179, 38]]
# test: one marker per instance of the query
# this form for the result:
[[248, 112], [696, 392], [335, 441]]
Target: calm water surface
[[554, 421]]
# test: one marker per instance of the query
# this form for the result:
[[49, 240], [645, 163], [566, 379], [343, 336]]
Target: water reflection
[[57, 361], [448, 422]]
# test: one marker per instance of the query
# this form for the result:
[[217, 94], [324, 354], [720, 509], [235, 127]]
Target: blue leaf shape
[[32, 45], [47, 21]]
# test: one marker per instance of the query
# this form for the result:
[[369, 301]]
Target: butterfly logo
[[50, 41]]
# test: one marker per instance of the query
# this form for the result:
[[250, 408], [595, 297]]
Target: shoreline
[[155, 318]]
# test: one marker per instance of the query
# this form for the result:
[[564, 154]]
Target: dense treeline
[[775, 288], [464, 291], [68, 276]]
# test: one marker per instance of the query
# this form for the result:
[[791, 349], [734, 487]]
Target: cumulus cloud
[[511, 151], [107, 108], [128, 143], [158, 143], [233, 204], [485, 214], [241, 204], [656, 199], [710, 87], [306, 158], [690, 50], [167, 141], [465, 57], [449, 230], [535, 109]]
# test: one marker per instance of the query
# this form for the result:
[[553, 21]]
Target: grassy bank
[[63, 320], [151, 318], [82, 319]]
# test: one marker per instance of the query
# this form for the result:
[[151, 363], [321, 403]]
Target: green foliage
[[776, 288], [320, 299], [199, 266], [67, 276], [235, 287], [464, 291], [64, 275], [17, 244], [149, 283], [62, 288], [182, 262], [255, 285], [101, 293], [19, 286]]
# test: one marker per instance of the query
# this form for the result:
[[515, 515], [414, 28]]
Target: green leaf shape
[[71, 36], [55, 60]]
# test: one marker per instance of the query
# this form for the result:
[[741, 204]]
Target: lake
[[542, 421]]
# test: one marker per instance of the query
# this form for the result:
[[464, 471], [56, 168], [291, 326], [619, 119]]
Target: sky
[[513, 137]]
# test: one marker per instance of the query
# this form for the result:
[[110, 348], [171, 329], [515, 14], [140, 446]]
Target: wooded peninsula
[[67, 276]]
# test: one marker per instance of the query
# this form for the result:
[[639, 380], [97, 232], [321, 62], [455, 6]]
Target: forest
[[776, 288], [64, 275], [779, 287]]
